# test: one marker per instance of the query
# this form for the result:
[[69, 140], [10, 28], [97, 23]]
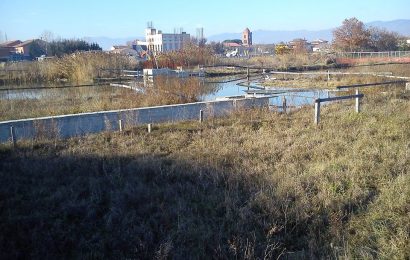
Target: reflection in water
[[294, 97], [211, 91], [51, 92]]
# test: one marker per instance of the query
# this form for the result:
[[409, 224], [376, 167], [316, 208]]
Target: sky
[[26, 19]]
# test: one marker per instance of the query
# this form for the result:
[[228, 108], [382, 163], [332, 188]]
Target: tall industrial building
[[162, 42]]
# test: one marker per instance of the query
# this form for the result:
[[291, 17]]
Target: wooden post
[[317, 111], [284, 104], [12, 136], [247, 73], [149, 128], [120, 125], [357, 101], [201, 116]]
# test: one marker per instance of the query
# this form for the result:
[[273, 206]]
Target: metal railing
[[358, 96], [368, 54]]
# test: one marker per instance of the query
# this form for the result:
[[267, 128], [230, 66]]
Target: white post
[[408, 86], [12, 136], [149, 128], [120, 125], [317, 112], [357, 101]]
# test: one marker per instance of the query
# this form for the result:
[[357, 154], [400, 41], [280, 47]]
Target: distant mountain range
[[263, 36], [106, 42]]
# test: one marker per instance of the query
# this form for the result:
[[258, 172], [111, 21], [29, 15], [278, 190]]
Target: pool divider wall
[[66, 126]]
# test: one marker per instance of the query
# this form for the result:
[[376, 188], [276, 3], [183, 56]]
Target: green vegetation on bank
[[256, 184]]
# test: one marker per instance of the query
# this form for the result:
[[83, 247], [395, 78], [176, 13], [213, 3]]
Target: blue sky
[[23, 19]]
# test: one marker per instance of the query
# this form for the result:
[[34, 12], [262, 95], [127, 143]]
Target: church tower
[[247, 37]]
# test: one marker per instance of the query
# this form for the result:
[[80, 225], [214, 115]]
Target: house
[[231, 45], [10, 44], [24, 49], [132, 49], [319, 42], [7, 50], [119, 47], [320, 45], [300, 44]]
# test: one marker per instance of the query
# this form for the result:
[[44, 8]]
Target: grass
[[281, 62], [321, 81], [253, 185]]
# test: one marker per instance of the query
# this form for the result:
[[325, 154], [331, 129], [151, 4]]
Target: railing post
[[284, 104], [357, 101], [12, 136], [120, 125], [317, 111], [201, 116]]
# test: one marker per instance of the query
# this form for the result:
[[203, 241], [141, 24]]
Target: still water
[[294, 97], [222, 88]]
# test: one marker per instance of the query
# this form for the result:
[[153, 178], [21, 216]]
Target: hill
[[274, 36]]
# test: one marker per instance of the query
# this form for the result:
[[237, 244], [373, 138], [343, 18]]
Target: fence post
[[317, 111], [120, 125], [12, 136], [149, 128], [357, 101], [408, 86], [201, 116], [284, 104]]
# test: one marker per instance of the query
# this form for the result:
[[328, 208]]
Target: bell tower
[[247, 37]]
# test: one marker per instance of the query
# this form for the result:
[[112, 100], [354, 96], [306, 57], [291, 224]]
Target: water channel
[[224, 87]]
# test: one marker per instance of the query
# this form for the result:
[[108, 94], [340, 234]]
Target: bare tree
[[47, 37], [383, 40], [351, 36]]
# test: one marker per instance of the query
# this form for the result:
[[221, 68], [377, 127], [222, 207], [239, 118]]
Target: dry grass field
[[254, 185]]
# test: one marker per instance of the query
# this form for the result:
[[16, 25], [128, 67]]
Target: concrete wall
[[87, 123]]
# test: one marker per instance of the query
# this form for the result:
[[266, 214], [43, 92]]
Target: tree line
[[61, 47], [353, 35]]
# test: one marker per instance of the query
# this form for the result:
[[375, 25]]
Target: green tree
[[37, 48], [59, 48], [238, 41]]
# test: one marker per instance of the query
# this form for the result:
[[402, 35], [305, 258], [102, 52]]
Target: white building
[[162, 42]]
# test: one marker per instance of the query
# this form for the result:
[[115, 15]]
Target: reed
[[81, 67]]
